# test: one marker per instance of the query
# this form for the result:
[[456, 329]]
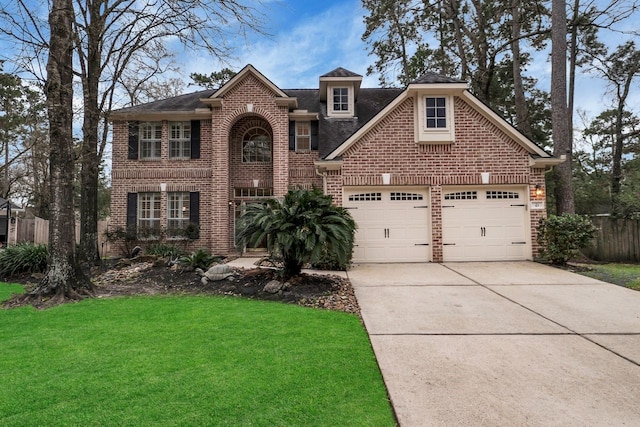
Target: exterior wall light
[[256, 182], [484, 176], [386, 178], [539, 191]]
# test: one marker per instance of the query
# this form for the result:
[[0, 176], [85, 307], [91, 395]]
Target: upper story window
[[436, 112], [340, 99], [435, 124], [256, 146], [177, 213], [303, 136], [149, 212], [180, 140], [150, 140]]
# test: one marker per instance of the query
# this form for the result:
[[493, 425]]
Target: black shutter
[[194, 212], [292, 136], [132, 210], [133, 140], [314, 135], [195, 139]]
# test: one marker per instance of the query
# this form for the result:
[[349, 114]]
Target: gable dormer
[[339, 89], [434, 95]]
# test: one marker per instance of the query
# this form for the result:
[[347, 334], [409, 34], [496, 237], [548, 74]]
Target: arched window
[[256, 146]]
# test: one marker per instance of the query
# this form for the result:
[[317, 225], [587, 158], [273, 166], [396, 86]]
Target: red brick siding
[[219, 168], [389, 147]]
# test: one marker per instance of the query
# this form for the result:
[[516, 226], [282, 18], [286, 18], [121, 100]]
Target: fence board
[[617, 240]]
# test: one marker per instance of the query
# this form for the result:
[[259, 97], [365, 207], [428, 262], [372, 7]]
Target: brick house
[[428, 172]]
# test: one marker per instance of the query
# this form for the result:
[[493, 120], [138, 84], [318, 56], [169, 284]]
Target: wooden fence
[[36, 230], [617, 240]]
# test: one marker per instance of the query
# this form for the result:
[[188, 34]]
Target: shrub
[[561, 236], [23, 257], [164, 250], [299, 229], [330, 261], [198, 259]]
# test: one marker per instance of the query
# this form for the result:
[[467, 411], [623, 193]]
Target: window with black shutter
[[195, 139], [314, 135], [292, 136], [133, 140], [132, 212], [194, 213]]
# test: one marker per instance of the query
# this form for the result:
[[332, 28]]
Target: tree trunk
[[562, 141], [64, 278], [89, 174], [522, 112]]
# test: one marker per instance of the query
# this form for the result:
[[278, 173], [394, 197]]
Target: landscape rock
[[273, 287]]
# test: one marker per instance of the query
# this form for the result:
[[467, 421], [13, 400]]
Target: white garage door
[[485, 224], [393, 224]]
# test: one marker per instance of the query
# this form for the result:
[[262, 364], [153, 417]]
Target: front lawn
[[627, 275], [186, 361]]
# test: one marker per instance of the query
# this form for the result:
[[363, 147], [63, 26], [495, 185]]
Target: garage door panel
[[393, 224], [485, 224]]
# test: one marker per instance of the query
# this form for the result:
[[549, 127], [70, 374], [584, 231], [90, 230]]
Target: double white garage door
[[478, 224]]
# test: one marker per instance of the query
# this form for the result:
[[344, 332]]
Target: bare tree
[[64, 278], [114, 37]]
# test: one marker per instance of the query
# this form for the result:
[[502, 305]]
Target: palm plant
[[299, 229]]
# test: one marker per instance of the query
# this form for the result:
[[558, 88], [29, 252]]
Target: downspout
[[324, 180]]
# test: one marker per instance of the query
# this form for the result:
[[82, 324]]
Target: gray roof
[[331, 131], [430, 78], [341, 72], [334, 131], [186, 102]]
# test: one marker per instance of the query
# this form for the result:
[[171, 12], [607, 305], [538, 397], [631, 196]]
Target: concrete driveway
[[507, 344]]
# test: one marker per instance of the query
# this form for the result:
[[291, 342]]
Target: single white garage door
[[485, 224], [393, 224]]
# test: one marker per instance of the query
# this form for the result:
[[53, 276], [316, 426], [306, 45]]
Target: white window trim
[[155, 198], [183, 212], [308, 136], [434, 135], [333, 113], [182, 140], [153, 140]]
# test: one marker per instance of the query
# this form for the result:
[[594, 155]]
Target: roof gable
[[247, 70], [341, 72], [455, 85]]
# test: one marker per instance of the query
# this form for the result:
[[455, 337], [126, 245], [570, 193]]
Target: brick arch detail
[[232, 118]]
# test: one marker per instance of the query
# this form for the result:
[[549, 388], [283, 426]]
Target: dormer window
[[436, 112], [340, 99], [435, 123]]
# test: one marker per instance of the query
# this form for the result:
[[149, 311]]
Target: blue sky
[[309, 38], [312, 37]]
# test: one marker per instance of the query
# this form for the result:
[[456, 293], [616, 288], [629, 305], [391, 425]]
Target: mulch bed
[[153, 277]]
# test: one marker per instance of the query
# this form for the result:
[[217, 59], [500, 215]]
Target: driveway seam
[[545, 317]]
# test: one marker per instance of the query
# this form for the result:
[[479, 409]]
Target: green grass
[[627, 275], [186, 361]]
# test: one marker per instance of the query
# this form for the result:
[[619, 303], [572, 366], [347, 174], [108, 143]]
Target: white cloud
[[298, 55]]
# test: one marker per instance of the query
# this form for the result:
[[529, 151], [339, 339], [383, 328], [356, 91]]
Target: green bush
[[330, 261], [562, 236], [198, 259], [23, 257], [299, 229], [164, 250]]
